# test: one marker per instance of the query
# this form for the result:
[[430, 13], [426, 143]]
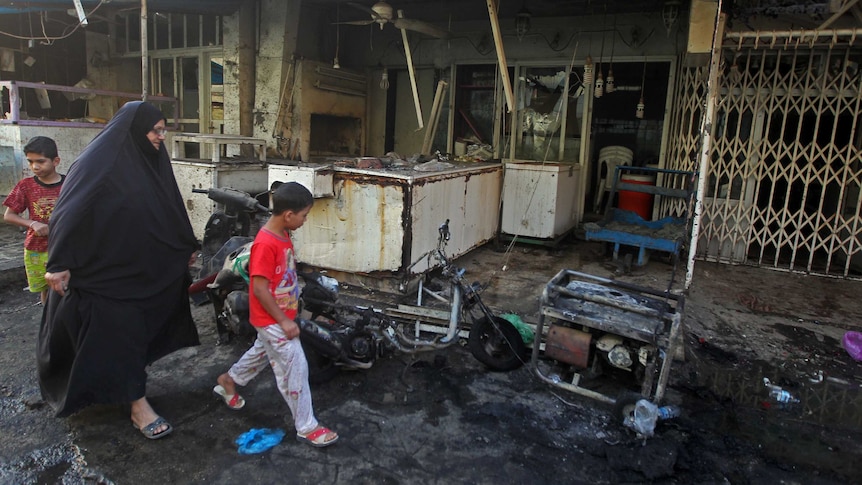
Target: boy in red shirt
[[274, 302], [37, 196]]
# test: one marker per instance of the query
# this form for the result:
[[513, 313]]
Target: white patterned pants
[[288, 363]]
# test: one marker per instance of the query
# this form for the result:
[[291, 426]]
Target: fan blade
[[365, 9], [421, 27], [355, 22]]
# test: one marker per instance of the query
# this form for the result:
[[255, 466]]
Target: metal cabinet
[[248, 175], [540, 200], [379, 221]]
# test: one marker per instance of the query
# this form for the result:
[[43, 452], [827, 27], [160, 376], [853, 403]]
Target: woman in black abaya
[[119, 247]]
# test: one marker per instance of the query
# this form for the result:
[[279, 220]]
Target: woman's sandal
[[233, 401], [149, 431], [317, 437]]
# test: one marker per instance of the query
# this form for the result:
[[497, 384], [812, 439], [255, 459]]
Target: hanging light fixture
[[600, 80], [610, 83], [600, 84], [639, 110], [384, 79], [588, 71], [523, 21], [588, 66]]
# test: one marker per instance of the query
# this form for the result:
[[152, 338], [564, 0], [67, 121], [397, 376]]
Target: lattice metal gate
[[783, 186]]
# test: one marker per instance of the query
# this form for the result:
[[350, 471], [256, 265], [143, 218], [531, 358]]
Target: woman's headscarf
[[146, 116], [120, 225]]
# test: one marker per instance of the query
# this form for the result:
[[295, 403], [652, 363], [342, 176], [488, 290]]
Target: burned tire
[[497, 344], [321, 369]]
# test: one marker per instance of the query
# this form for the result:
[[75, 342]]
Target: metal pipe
[[706, 124], [433, 118], [501, 54], [791, 38], [276, 130], [432, 294], [418, 345], [73, 89], [781, 34], [454, 315], [838, 12], [398, 340], [419, 303], [412, 73], [79, 9]]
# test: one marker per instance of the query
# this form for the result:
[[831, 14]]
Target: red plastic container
[[638, 202]]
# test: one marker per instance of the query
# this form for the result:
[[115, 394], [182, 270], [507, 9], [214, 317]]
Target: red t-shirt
[[38, 198], [272, 257]]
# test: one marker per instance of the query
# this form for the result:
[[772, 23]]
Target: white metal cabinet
[[317, 178], [540, 200], [250, 177], [195, 173], [382, 220]]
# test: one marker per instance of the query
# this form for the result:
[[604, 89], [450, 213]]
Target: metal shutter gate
[[783, 186]]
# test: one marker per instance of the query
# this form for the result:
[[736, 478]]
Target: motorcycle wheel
[[497, 344], [321, 369]]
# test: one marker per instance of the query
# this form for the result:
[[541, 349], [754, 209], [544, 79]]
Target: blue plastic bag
[[258, 440]]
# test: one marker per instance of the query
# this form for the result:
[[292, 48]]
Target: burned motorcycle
[[353, 336], [338, 335]]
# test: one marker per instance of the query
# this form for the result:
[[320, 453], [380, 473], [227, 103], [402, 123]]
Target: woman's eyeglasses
[[160, 131]]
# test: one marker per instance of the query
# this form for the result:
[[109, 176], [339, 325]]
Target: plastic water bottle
[[782, 396], [777, 394], [668, 412], [645, 415]]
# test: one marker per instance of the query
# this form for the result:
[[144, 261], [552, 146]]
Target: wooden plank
[[471, 123]]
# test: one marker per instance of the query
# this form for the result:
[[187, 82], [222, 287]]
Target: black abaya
[[120, 228]]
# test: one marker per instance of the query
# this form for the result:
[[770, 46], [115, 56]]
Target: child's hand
[[290, 328], [39, 228]]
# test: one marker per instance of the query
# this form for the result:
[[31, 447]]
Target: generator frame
[[643, 314]]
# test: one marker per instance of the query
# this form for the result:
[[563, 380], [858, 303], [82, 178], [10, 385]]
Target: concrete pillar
[[259, 41], [278, 34], [246, 59]]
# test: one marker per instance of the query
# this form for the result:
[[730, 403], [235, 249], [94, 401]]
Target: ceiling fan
[[383, 13]]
